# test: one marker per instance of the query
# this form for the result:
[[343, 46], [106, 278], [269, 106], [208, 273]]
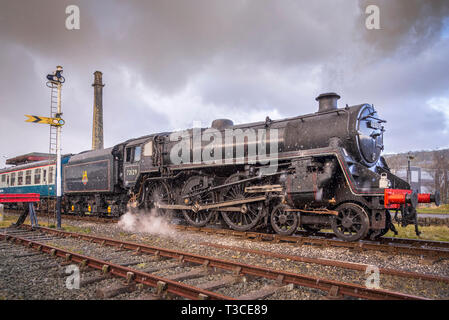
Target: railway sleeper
[[265, 291], [192, 274], [217, 284], [161, 267], [115, 290], [89, 281]]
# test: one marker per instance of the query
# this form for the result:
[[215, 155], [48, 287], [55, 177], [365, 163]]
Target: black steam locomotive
[[314, 171]]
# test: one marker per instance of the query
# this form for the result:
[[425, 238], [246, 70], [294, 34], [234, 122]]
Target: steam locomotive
[[329, 173], [316, 171]]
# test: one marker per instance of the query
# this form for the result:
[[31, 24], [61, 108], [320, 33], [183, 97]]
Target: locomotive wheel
[[352, 222], [250, 214], [154, 193], [284, 222], [200, 218]]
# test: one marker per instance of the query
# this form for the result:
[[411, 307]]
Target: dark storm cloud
[[167, 63], [410, 24], [169, 41]]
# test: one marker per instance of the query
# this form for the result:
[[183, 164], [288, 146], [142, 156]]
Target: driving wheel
[[284, 222], [351, 223]]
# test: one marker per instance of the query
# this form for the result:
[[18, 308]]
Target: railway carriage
[[35, 177]]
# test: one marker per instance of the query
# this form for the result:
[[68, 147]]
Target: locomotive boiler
[[316, 171]]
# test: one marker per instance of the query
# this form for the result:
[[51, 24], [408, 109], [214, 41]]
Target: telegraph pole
[[409, 171]]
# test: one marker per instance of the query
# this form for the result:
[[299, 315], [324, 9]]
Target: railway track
[[185, 266], [333, 263], [432, 250]]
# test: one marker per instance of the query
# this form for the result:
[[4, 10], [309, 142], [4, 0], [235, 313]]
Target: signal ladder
[[51, 204]]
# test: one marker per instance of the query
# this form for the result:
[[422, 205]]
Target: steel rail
[[416, 246], [389, 240], [432, 252], [333, 263], [327, 285]]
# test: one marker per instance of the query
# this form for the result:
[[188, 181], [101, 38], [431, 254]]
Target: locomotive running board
[[197, 208]]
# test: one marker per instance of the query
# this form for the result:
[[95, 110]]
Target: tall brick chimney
[[97, 126]]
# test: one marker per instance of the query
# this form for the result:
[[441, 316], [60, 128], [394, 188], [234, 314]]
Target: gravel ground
[[41, 277], [170, 238]]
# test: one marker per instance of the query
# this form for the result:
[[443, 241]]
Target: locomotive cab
[[138, 159], [131, 165]]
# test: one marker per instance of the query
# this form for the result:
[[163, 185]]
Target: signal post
[[55, 80]]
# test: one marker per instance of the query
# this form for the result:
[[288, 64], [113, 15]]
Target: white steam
[[147, 222]]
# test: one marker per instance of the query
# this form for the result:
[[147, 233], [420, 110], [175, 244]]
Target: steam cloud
[[147, 222]]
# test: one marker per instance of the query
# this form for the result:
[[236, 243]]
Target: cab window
[[137, 153], [129, 154], [133, 154]]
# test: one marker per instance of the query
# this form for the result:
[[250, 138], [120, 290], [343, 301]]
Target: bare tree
[[441, 166]]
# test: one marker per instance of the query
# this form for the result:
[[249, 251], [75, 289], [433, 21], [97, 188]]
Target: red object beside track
[[25, 197]]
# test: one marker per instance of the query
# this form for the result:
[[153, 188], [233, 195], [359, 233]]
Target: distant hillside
[[422, 159]]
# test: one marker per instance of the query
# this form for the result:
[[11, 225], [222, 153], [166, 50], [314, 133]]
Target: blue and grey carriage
[[34, 177]]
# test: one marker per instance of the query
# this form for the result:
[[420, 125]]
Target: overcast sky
[[168, 63]]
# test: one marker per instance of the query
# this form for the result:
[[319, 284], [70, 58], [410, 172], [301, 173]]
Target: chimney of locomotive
[[327, 101], [97, 126]]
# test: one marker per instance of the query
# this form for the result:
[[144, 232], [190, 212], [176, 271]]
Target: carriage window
[[37, 176], [3, 179], [137, 153], [7, 180], [28, 177], [44, 177], [20, 178], [13, 179], [50, 175]]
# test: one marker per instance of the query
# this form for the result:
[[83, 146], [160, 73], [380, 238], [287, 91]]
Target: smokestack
[[97, 126], [327, 101]]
